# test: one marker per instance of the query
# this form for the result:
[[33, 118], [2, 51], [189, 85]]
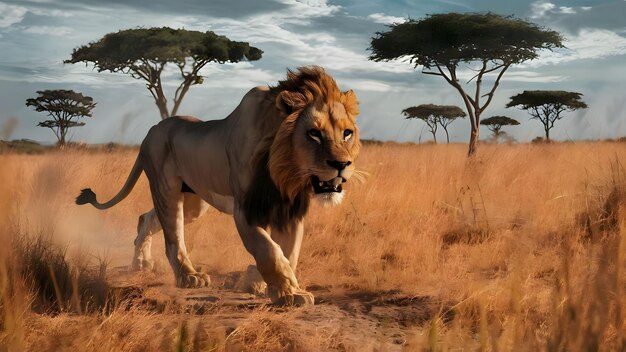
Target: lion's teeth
[[321, 184]]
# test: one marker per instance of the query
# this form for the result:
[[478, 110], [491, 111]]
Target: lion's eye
[[315, 134], [347, 134]]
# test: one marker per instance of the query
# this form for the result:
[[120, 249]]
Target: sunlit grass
[[527, 241]]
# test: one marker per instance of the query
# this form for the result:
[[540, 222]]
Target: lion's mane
[[279, 190]]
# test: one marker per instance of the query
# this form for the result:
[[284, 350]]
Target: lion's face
[[317, 144], [325, 147]]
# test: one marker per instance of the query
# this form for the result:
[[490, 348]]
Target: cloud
[[566, 10], [367, 85], [385, 19], [589, 43], [455, 3], [540, 8], [544, 8], [49, 30], [303, 9], [11, 14], [512, 75], [50, 12], [532, 76]]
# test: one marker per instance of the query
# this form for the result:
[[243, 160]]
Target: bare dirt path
[[386, 316]]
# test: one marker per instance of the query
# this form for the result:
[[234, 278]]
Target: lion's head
[[316, 146]]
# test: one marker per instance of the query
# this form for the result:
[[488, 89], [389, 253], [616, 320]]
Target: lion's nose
[[339, 165]]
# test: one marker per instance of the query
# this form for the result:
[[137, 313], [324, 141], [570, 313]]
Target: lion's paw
[[251, 282], [143, 265], [298, 298], [194, 280]]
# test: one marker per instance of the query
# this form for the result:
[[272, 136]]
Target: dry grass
[[526, 240]]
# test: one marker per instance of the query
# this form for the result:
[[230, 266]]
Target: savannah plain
[[519, 248]]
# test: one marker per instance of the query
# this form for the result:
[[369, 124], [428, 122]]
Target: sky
[[37, 35]]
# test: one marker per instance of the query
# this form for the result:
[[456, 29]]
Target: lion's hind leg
[[169, 204], [194, 207], [147, 226]]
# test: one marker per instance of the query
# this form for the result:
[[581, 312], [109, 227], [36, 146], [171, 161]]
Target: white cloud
[[532, 76], [318, 48], [544, 8], [385, 19], [366, 85], [515, 74], [589, 43], [48, 30], [303, 9], [540, 8], [11, 14], [50, 12]]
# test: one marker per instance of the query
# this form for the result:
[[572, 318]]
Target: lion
[[281, 147]]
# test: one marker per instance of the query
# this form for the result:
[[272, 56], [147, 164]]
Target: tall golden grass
[[526, 241]]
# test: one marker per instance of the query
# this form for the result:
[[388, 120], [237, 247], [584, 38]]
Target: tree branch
[[487, 71], [493, 89], [448, 79]]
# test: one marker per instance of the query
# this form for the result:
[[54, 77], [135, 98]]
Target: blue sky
[[37, 35]]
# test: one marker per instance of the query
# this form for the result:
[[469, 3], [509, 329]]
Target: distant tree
[[441, 42], [434, 115], [447, 115], [144, 54], [495, 124], [424, 113], [547, 105], [65, 107]]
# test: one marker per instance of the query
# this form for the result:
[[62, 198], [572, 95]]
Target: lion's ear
[[288, 102], [350, 103]]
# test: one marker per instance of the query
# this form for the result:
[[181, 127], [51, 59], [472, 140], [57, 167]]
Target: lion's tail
[[87, 196]]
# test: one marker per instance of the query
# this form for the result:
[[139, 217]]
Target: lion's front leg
[[289, 238], [275, 268]]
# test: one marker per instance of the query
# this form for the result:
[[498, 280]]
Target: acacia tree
[[447, 115], [495, 124], [144, 53], [435, 115], [64, 107], [440, 43], [547, 105], [424, 113]]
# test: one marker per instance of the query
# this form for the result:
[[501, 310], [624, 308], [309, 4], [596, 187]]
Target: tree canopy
[[440, 42], [65, 107], [495, 124], [435, 115], [547, 106], [144, 52]]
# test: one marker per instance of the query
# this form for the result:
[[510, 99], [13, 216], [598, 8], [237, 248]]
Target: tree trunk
[[547, 134], [473, 143], [162, 105], [179, 99], [447, 135], [434, 136], [62, 138]]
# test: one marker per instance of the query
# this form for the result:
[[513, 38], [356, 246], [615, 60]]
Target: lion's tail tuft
[[86, 196]]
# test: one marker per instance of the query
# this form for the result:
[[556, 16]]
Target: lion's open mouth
[[332, 185]]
